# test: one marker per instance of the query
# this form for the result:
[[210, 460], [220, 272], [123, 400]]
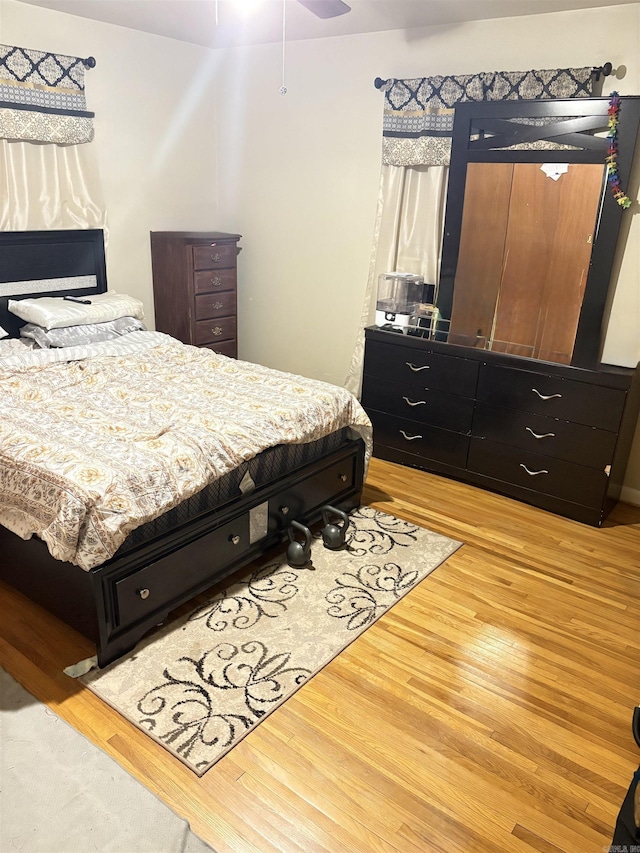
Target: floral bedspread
[[96, 442]]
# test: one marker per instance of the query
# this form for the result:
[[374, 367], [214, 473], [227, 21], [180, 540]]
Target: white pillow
[[3, 334], [88, 333], [54, 312]]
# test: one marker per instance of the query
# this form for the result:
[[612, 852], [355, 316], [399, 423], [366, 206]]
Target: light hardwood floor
[[489, 710]]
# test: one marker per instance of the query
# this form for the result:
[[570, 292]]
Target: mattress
[[263, 469], [97, 441]]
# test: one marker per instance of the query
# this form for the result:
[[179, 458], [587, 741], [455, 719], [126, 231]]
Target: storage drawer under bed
[[304, 497], [155, 585], [205, 557]]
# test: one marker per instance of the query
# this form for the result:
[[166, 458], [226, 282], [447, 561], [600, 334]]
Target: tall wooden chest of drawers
[[194, 287], [553, 435]]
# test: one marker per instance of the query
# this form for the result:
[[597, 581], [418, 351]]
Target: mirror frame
[[580, 119]]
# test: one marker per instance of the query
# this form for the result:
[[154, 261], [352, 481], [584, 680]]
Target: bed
[[136, 472]]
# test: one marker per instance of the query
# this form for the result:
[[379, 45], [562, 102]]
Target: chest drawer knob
[[417, 368], [216, 257], [216, 281], [414, 402], [543, 397], [235, 539], [533, 473], [217, 331], [143, 593], [409, 437], [343, 478], [540, 435]]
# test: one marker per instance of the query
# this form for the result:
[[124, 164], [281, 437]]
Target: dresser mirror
[[531, 227]]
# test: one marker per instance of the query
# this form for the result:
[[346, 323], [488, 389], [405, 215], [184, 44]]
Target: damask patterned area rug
[[203, 682]]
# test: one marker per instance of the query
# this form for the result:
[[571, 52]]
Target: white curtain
[[407, 238], [46, 186]]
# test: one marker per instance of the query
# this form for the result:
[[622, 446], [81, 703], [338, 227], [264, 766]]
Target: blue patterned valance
[[418, 114], [42, 97]]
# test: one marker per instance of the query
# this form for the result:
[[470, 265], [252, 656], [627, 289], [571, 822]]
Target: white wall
[[192, 139], [299, 172], [154, 130]]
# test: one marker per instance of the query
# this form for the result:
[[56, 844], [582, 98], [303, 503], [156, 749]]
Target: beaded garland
[[612, 152]]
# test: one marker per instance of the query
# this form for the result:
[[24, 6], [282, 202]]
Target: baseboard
[[630, 496]]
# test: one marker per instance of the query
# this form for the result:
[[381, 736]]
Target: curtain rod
[[603, 70]]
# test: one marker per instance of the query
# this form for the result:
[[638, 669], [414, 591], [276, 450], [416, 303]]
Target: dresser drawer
[[548, 436], [214, 331], [424, 406], [214, 256], [155, 586], [210, 305], [208, 281], [421, 369], [229, 348], [543, 474], [425, 442], [553, 396]]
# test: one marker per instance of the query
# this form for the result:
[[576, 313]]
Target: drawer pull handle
[[542, 396], [216, 281], [143, 593], [415, 368], [284, 510], [540, 435], [216, 257], [409, 437], [414, 402], [217, 331], [234, 539], [533, 473], [343, 478], [218, 305]]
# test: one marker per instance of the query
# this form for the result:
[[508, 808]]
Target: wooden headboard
[[49, 263]]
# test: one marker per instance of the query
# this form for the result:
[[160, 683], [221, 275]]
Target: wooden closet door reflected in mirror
[[525, 249]]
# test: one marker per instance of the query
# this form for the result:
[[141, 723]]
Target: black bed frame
[[117, 603]]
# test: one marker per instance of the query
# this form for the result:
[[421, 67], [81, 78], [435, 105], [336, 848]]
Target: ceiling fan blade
[[326, 8]]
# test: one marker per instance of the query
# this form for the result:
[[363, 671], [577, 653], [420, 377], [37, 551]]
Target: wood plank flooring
[[489, 710]]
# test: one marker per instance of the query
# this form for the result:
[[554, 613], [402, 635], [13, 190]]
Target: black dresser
[[553, 435]]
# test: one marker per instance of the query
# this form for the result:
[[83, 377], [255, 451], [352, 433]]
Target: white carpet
[[61, 794]]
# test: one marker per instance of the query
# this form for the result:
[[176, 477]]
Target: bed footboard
[[116, 604]]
